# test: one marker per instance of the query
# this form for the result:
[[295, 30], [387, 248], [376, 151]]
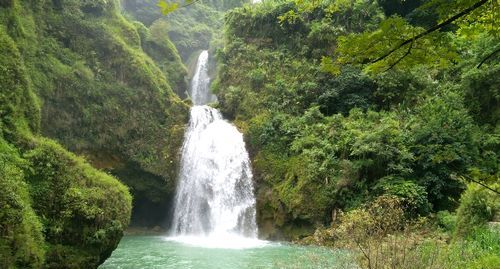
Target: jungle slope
[[191, 29], [106, 88], [103, 87], [56, 210], [324, 143]]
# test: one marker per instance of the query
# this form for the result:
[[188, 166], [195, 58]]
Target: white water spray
[[215, 204]]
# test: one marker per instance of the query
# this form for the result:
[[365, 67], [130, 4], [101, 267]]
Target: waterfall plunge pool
[[159, 252]]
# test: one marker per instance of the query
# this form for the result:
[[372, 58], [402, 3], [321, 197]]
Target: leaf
[[167, 8], [328, 66]]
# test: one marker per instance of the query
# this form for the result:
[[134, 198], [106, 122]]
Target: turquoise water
[[156, 252]]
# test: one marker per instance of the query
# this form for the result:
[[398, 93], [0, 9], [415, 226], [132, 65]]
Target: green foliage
[[322, 143], [477, 206], [191, 28], [382, 237], [156, 44], [366, 48], [19, 110], [397, 43], [21, 240], [481, 87], [446, 220], [97, 85], [81, 208], [444, 142], [382, 216], [413, 196], [167, 8], [31, 211], [106, 85]]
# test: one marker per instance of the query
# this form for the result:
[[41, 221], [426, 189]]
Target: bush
[[478, 205], [413, 196], [447, 220]]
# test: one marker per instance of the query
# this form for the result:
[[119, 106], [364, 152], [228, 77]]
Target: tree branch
[[364, 253], [432, 29], [488, 57], [480, 183], [400, 59]]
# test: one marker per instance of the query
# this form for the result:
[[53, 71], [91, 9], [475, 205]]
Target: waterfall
[[200, 86], [215, 192]]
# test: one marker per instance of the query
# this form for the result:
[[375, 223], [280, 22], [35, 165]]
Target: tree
[[397, 42]]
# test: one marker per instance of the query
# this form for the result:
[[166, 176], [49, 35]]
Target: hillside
[[80, 73]]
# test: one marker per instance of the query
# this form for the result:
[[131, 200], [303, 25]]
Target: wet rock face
[[273, 219], [153, 196]]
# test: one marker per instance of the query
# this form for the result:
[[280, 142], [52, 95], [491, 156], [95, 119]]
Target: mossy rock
[[105, 84], [21, 242], [56, 211], [83, 211]]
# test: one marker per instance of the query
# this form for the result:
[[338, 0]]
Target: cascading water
[[200, 86], [215, 204]]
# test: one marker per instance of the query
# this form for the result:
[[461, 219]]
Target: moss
[[77, 217], [56, 210], [191, 29], [82, 208], [158, 46], [101, 91], [19, 109], [21, 243]]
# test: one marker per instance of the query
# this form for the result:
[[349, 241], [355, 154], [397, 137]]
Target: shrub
[[478, 205], [446, 220], [413, 196]]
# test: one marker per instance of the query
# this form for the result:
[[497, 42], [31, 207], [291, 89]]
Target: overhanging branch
[[192, 2], [488, 57], [467, 178], [432, 29], [401, 58]]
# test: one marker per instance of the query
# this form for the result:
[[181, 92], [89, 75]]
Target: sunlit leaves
[[391, 45], [167, 8], [366, 48], [290, 17], [328, 65], [483, 21]]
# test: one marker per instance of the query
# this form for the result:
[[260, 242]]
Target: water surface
[[157, 252]]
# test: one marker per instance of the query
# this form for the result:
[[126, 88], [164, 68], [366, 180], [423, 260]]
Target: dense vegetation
[[330, 131], [106, 87], [191, 29], [102, 86], [56, 210]]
